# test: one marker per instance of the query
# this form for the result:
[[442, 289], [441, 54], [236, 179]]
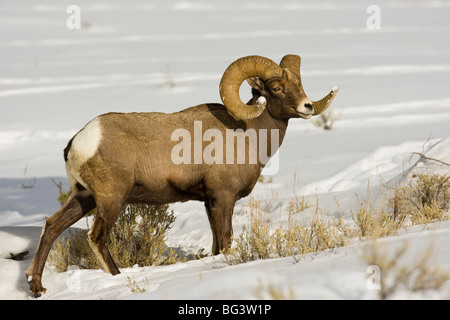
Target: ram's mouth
[[304, 115], [303, 112]]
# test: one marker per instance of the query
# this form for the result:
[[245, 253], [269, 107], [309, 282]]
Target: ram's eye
[[276, 89]]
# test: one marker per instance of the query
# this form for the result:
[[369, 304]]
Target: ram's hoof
[[36, 288]]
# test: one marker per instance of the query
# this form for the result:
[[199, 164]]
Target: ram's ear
[[257, 84]]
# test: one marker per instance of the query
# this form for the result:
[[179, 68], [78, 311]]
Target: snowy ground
[[394, 95]]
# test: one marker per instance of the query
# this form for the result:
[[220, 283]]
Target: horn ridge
[[240, 70]]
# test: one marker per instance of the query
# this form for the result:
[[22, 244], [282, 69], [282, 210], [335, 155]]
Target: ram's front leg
[[220, 212]]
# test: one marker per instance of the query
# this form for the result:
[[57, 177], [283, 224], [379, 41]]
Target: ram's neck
[[271, 133], [267, 121]]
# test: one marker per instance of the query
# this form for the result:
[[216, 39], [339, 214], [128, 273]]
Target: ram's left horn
[[322, 105]]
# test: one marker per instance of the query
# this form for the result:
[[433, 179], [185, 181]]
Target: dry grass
[[326, 119], [372, 223], [135, 288], [138, 238], [260, 240], [421, 274], [423, 200]]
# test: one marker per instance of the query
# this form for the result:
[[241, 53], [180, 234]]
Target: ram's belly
[[165, 192]]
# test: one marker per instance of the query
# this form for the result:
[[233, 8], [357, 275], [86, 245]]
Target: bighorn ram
[[128, 157]]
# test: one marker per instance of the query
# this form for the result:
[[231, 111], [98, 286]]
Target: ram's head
[[277, 87]]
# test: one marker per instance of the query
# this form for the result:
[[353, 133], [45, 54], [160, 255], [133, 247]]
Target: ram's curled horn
[[238, 72], [322, 105], [292, 63]]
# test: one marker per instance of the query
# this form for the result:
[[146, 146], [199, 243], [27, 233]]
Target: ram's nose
[[309, 106]]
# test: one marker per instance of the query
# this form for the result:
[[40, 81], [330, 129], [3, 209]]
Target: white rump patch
[[84, 146], [86, 142]]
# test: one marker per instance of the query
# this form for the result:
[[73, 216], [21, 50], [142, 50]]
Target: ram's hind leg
[[78, 205], [107, 213]]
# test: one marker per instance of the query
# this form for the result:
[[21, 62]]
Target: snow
[[169, 55]]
